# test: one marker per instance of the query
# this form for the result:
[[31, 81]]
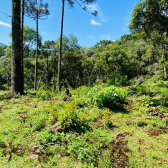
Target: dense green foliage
[[2, 50], [106, 97], [108, 61]]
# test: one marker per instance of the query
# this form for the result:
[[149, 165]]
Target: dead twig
[[20, 149], [118, 151], [41, 155], [156, 132], [158, 113]]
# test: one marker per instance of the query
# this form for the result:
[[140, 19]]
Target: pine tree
[[71, 3], [37, 11], [16, 73]]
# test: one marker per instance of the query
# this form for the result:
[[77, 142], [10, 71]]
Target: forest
[[64, 105]]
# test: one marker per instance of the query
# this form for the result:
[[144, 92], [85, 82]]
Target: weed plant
[[106, 97]]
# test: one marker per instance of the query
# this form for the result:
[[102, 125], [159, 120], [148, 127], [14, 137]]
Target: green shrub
[[81, 102], [70, 120], [48, 138], [107, 97], [81, 91], [164, 97], [146, 101], [132, 90], [107, 122], [86, 147], [44, 95], [53, 113], [39, 124], [138, 90], [118, 81]]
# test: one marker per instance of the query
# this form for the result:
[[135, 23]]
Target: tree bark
[[164, 66], [47, 72], [16, 78], [163, 57], [35, 75], [60, 49], [22, 51]]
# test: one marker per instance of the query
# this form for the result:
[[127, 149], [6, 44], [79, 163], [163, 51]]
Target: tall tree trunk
[[22, 51], [163, 57], [47, 73], [35, 75], [164, 66], [60, 49], [55, 71], [16, 78]]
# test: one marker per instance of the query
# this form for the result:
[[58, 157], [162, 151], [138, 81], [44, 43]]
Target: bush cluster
[[107, 97]]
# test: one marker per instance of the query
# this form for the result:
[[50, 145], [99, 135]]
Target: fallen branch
[[20, 149], [157, 113], [118, 151]]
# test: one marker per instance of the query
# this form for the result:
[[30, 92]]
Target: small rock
[[56, 127], [32, 156]]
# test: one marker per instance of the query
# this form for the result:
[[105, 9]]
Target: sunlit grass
[[28, 120]]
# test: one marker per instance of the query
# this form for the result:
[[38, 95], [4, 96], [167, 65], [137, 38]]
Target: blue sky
[[110, 24]]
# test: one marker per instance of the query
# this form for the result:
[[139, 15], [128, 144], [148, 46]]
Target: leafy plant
[[44, 95], [146, 100], [164, 97], [107, 97], [137, 90], [118, 81], [87, 147], [48, 138], [81, 102], [53, 113], [70, 120], [39, 123], [108, 123]]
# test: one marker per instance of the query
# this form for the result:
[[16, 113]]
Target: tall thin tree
[[22, 50], [37, 11], [16, 74], [71, 3], [60, 47]]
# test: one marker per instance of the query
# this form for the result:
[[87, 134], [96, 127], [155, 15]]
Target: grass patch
[[93, 128]]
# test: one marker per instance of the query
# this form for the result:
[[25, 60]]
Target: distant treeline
[[114, 62]]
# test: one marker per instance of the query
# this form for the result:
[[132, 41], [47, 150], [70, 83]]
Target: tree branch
[[84, 8]]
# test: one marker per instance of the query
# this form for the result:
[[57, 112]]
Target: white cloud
[[106, 37], [95, 7], [90, 36], [5, 24], [105, 19], [43, 32], [93, 22], [126, 22]]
